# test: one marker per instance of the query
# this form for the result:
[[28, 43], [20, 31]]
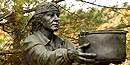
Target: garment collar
[[45, 40]]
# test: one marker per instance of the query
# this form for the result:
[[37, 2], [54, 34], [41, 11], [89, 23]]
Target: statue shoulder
[[31, 38]]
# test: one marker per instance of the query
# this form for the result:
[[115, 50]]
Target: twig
[[69, 11], [57, 1], [103, 6], [29, 10], [74, 14], [7, 15], [10, 52], [12, 12], [6, 30]]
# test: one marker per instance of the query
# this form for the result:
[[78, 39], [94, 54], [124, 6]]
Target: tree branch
[[12, 12], [29, 10], [10, 52], [69, 11], [8, 15], [25, 11], [57, 1], [102, 5], [5, 30]]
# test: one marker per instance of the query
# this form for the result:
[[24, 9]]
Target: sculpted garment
[[39, 50]]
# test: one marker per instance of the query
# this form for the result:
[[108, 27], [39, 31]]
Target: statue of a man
[[43, 47]]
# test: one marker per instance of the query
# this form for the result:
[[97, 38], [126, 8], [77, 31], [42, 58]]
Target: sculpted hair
[[36, 23]]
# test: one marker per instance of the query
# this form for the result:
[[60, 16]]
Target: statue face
[[50, 20]]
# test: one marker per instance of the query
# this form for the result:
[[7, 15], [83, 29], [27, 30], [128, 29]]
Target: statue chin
[[53, 30]]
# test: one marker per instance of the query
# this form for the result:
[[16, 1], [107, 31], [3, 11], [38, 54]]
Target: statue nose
[[56, 19]]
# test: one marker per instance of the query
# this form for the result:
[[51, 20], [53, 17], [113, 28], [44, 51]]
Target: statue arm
[[37, 53]]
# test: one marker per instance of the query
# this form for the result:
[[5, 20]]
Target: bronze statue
[[43, 47]]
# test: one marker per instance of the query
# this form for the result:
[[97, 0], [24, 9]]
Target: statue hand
[[83, 46], [81, 57]]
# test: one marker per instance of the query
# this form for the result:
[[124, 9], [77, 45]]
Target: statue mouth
[[55, 25]]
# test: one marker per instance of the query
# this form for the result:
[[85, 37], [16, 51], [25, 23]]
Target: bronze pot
[[109, 45]]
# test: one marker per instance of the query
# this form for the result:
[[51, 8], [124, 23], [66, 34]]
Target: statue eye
[[51, 14]]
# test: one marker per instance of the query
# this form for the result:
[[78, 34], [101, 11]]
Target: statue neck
[[49, 34]]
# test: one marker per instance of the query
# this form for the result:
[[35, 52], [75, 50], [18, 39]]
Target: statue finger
[[84, 45], [84, 60], [87, 54]]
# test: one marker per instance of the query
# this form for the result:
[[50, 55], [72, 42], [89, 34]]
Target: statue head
[[46, 16]]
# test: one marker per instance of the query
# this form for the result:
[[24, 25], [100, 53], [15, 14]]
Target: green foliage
[[125, 4], [121, 26], [128, 7]]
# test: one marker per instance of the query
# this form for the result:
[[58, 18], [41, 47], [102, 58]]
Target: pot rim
[[106, 31]]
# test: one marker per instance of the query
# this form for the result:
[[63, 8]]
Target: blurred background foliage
[[14, 14]]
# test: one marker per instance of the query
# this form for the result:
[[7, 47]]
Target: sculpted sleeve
[[35, 53]]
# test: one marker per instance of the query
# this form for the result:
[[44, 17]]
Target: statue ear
[[28, 23]]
